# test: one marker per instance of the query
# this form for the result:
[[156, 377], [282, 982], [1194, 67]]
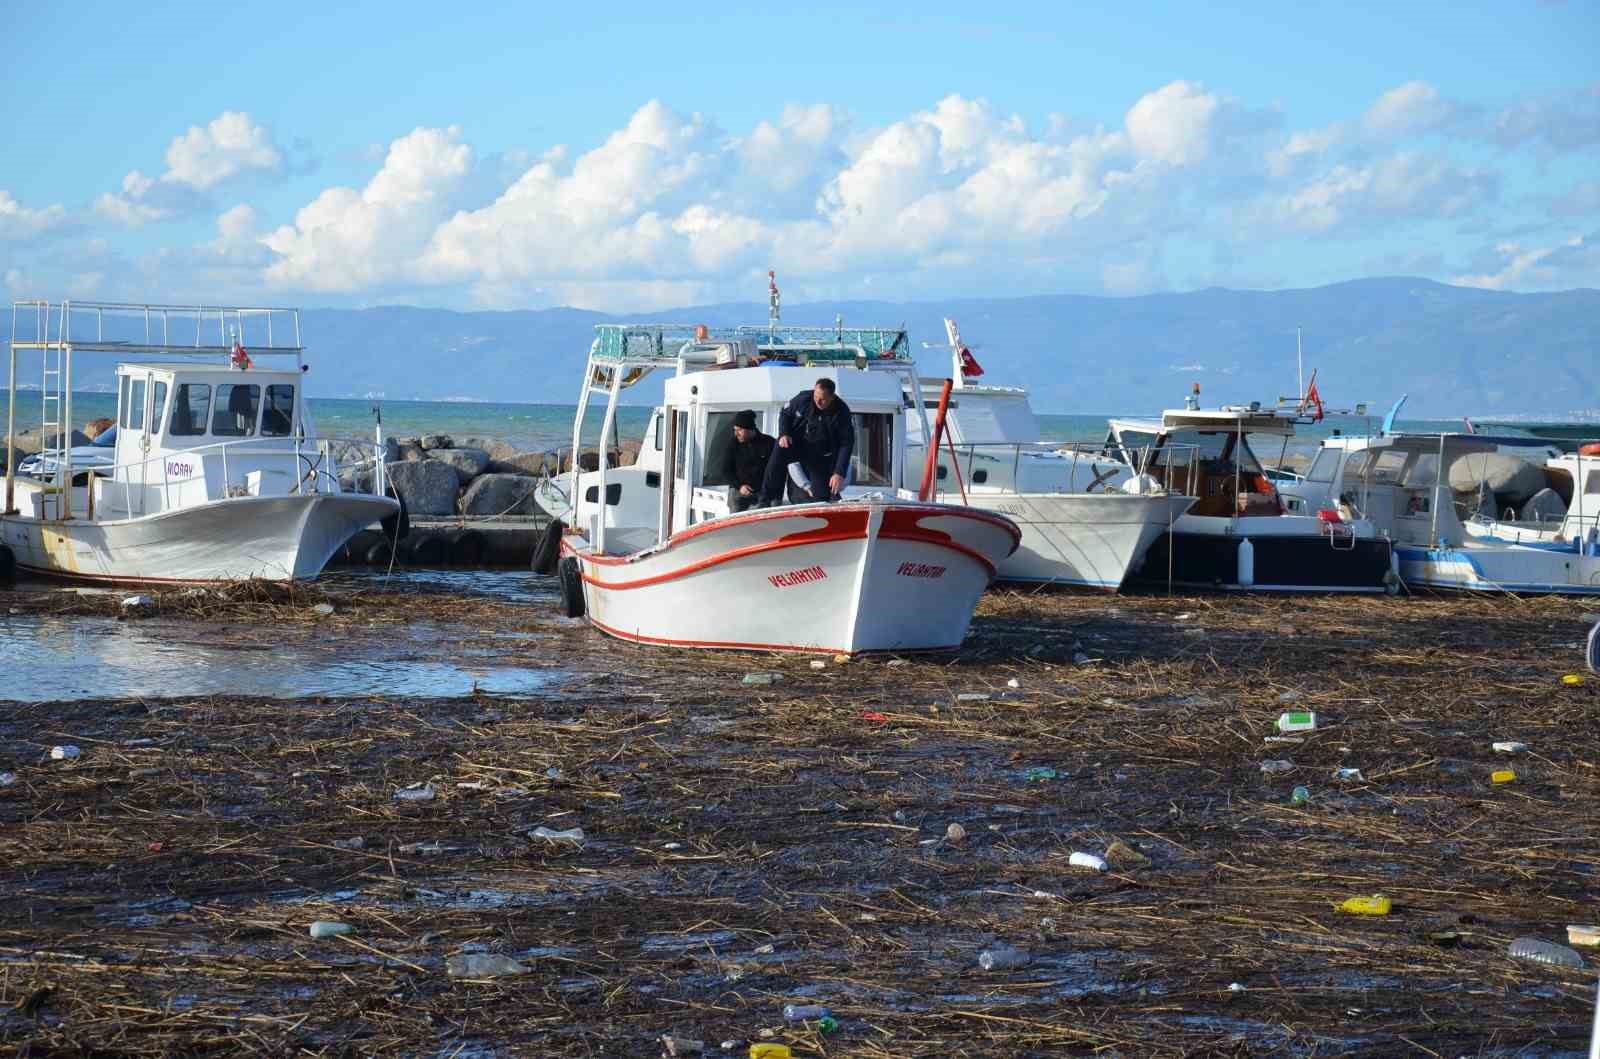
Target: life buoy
[[1589, 448]]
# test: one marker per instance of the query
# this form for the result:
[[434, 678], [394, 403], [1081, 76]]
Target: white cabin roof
[[192, 368], [739, 388]]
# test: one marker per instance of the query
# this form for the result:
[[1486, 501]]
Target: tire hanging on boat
[[467, 548], [548, 551], [397, 527], [571, 587], [8, 565], [426, 550]]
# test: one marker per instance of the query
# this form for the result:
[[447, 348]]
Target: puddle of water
[[510, 586], [47, 659]]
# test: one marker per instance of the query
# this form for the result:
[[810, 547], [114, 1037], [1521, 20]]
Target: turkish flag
[[969, 364]]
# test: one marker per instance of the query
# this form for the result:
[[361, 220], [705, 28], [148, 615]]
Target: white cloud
[[228, 145], [18, 222], [1407, 184], [348, 240], [1174, 124], [1411, 109], [1545, 267]]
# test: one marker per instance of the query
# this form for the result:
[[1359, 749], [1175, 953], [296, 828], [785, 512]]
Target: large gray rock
[[410, 450], [1511, 480], [529, 463], [29, 442], [497, 450], [469, 463], [436, 441], [500, 494], [1544, 506], [429, 487]]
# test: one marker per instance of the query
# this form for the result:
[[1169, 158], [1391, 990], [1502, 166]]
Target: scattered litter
[[1087, 860], [1510, 747], [827, 1024], [972, 696], [552, 773], [874, 716], [1290, 696], [136, 604], [324, 609], [474, 785], [1376, 905], [1300, 796], [1349, 775], [1185, 616], [816, 663], [955, 833], [144, 773], [138, 742], [1537, 950], [762, 680], [1125, 856], [681, 1045], [1080, 659], [327, 928], [1283, 739], [840, 660], [417, 792], [1572, 680], [571, 834], [1013, 683], [1040, 774], [482, 965], [1297, 721], [1579, 935], [804, 1012], [425, 848], [764, 950], [354, 842], [767, 1050], [1003, 957], [895, 663], [672, 846], [1270, 767], [65, 753], [1502, 776], [1235, 987], [7, 778]]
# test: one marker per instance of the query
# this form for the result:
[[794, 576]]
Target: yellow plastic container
[[1572, 680], [1502, 776], [1376, 905], [770, 1051]]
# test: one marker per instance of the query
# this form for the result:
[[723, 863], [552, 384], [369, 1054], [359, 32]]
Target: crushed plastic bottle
[[1376, 905], [1297, 721], [1003, 958], [805, 1012], [827, 1024], [417, 792], [1537, 950], [1087, 860], [1581, 935], [571, 834], [1502, 776], [1270, 767], [354, 842], [1510, 747], [1039, 775], [816, 663], [1349, 775], [7, 778], [762, 680], [65, 753], [327, 928], [482, 965], [1300, 796]]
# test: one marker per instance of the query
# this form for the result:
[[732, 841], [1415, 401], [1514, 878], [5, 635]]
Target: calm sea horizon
[[535, 427]]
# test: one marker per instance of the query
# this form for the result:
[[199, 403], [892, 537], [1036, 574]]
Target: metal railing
[[1091, 457]]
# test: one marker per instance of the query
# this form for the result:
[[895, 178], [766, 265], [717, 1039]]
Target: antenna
[[773, 298], [1299, 367]]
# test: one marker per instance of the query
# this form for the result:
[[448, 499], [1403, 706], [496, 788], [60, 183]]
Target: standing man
[[815, 431], [746, 461]]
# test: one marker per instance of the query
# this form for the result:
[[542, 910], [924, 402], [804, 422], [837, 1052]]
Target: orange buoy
[[1589, 448]]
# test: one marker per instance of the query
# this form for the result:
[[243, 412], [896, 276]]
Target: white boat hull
[[1501, 568], [847, 578], [273, 538], [1085, 539]]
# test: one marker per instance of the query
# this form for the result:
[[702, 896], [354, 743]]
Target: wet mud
[[749, 847]]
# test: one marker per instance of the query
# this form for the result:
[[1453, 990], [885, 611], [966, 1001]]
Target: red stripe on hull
[[664, 641], [794, 541]]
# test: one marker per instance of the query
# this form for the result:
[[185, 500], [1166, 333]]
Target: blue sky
[[642, 156]]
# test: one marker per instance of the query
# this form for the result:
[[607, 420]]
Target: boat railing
[[1089, 457], [320, 464]]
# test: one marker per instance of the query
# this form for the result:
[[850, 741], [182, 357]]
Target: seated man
[[815, 431], [746, 461]]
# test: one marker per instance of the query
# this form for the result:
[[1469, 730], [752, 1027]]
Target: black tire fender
[[548, 551], [467, 548], [397, 527], [571, 587]]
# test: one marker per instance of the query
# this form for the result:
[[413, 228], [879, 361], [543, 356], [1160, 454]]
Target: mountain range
[[1455, 350]]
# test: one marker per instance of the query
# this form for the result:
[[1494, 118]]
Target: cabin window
[[1135, 443], [1324, 466], [158, 406], [872, 462], [191, 407], [657, 419], [278, 416], [1423, 472], [681, 466], [1591, 484], [1386, 469], [235, 416], [133, 405], [719, 448]]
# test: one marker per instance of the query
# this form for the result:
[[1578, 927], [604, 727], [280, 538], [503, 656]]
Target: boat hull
[[1088, 540], [1511, 568], [846, 578], [1282, 563], [276, 538]]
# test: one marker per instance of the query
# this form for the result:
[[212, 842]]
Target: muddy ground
[[748, 847]]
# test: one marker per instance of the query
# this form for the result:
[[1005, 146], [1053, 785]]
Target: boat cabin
[[1206, 454]]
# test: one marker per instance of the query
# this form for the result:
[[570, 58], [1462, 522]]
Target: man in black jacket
[[815, 431], [746, 461]]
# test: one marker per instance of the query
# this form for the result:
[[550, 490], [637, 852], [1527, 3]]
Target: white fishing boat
[[656, 554], [1086, 518], [1451, 538], [217, 472], [1241, 534]]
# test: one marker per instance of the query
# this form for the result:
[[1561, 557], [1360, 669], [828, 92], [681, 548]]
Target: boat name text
[[920, 570], [797, 577], [180, 467]]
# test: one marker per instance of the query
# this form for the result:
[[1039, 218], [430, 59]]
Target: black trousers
[[738, 502], [818, 467]]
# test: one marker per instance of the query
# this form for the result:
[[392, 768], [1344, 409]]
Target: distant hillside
[[1456, 350]]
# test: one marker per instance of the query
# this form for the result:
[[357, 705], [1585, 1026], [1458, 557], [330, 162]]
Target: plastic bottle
[[1087, 860], [1510, 747], [1502, 776], [482, 965], [805, 1012], [1540, 951], [1300, 795], [1376, 905], [1297, 721], [1003, 957], [1277, 766], [1039, 775], [762, 679], [327, 928], [65, 753]]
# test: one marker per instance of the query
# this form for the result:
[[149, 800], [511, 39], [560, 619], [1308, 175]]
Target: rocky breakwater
[[439, 476]]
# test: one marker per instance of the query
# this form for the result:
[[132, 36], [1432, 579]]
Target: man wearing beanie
[[746, 461]]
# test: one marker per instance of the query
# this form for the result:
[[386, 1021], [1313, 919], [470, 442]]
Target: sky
[[633, 157]]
